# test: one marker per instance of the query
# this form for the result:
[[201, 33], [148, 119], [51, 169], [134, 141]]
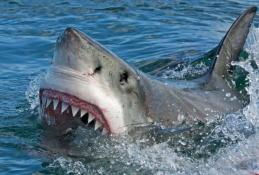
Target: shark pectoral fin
[[229, 49]]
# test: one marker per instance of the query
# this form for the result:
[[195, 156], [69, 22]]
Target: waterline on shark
[[91, 86]]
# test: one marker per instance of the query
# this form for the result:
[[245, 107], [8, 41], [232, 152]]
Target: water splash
[[186, 70], [68, 166], [242, 157], [252, 45], [32, 92]]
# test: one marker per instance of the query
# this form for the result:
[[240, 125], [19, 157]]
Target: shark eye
[[124, 78], [97, 69]]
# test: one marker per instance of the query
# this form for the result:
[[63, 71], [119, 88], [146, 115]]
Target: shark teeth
[[55, 104], [43, 101], [64, 107], [90, 118], [83, 112], [97, 125], [86, 117], [48, 102], [74, 110]]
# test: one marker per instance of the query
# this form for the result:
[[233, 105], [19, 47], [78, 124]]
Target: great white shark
[[89, 85]]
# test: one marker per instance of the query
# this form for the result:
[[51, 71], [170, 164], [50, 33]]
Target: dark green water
[[136, 31]]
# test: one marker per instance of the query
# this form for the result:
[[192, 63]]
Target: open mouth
[[56, 106]]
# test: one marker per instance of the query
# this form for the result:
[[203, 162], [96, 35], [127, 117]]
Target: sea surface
[[136, 31]]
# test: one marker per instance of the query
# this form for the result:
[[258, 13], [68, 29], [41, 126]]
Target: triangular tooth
[[55, 104], [48, 102], [97, 125], [74, 110], [43, 101], [63, 107], [90, 118], [105, 131], [83, 112]]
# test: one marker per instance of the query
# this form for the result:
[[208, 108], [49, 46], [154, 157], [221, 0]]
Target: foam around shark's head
[[92, 84]]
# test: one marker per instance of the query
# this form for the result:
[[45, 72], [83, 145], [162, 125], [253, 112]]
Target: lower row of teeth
[[64, 106]]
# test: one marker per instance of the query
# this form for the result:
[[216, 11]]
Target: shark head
[[87, 82]]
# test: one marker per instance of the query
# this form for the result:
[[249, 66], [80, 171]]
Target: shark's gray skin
[[91, 83]]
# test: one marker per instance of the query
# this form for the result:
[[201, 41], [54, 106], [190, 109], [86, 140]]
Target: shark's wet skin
[[88, 85]]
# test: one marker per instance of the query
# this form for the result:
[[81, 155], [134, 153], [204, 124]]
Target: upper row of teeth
[[47, 101]]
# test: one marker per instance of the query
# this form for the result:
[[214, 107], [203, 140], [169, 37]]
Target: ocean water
[[136, 31]]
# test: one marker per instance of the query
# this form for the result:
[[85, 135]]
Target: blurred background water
[[135, 30]]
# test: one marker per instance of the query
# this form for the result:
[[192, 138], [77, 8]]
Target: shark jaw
[[67, 96], [56, 105]]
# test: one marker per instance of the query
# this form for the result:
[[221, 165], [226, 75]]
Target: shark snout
[[73, 50], [70, 43], [70, 37]]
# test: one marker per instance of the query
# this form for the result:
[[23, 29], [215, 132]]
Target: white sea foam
[[32, 92]]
